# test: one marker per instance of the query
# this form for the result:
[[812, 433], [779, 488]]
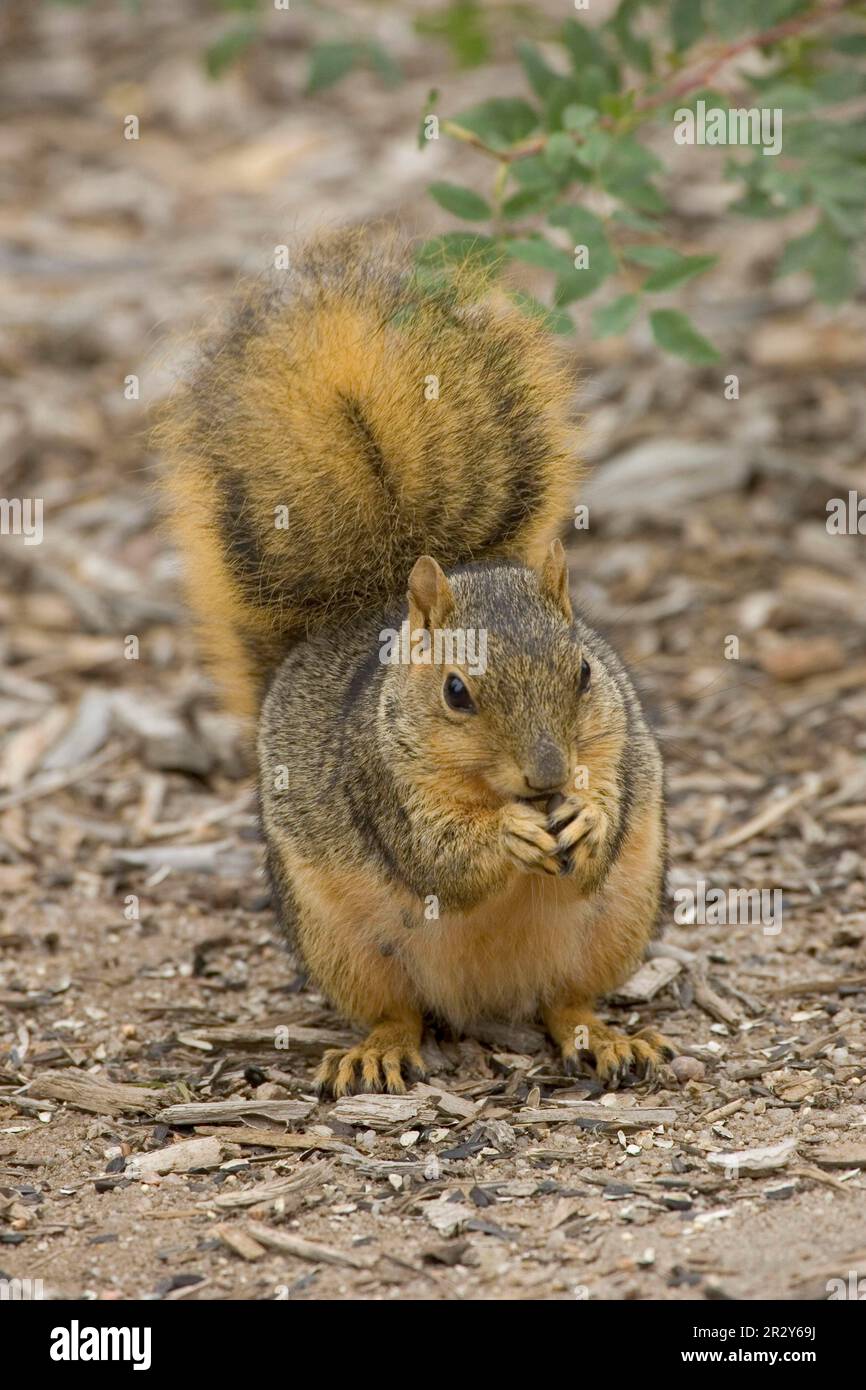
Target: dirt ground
[[137, 945]]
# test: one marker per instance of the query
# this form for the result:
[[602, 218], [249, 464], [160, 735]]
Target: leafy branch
[[572, 159]]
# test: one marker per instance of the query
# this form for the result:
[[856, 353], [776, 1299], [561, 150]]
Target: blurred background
[[132, 901]]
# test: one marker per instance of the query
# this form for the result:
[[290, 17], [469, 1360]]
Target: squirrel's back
[[346, 421]]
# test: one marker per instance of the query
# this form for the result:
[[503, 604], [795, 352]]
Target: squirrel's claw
[[620, 1058], [384, 1061], [617, 1057], [581, 831]]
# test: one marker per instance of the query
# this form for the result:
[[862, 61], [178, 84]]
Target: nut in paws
[[582, 830], [528, 842]]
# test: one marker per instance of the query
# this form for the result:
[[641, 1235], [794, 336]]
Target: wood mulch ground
[[159, 1135]]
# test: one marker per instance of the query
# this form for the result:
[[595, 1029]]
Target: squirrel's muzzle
[[545, 768]]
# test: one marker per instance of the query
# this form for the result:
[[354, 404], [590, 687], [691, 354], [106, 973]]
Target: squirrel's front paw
[[582, 830], [527, 840]]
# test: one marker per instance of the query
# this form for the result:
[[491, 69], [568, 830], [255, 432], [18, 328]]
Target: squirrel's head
[[509, 691]]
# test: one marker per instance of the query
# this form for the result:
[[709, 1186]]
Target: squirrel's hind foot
[[386, 1059], [617, 1057]]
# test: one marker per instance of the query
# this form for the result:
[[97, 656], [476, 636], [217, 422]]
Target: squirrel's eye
[[585, 674], [457, 696]]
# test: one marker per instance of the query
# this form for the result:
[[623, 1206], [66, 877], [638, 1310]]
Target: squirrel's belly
[[538, 940], [508, 956]]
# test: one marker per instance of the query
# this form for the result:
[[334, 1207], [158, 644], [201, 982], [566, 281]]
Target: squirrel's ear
[[553, 578], [430, 596]]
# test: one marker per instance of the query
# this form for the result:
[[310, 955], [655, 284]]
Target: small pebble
[[688, 1069]]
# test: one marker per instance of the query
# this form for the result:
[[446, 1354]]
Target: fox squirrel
[[443, 841]]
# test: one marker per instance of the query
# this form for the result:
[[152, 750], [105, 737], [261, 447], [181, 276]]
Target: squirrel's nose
[[546, 768]]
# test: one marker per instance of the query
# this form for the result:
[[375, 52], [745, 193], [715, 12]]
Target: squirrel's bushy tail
[[345, 422]]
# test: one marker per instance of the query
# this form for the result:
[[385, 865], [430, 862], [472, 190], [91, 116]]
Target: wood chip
[[85, 736], [302, 1042], [308, 1249], [447, 1102], [842, 1156], [823, 985], [723, 1111], [759, 1160], [377, 1112], [96, 1095], [795, 659], [448, 1217], [274, 1190], [646, 982], [227, 1111], [274, 1138], [707, 999], [182, 1157], [240, 1241], [776, 810], [608, 1116]]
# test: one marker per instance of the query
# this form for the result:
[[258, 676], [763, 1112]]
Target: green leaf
[[527, 201], [642, 196], [657, 257], [463, 26], [675, 333], [762, 13], [537, 251], [836, 280], [633, 220], [387, 67], [585, 48], [840, 85], [615, 317], [826, 255], [731, 17], [595, 71], [561, 93], [596, 148], [803, 252], [577, 117], [228, 48], [559, 151], [500, 122], [682, 268], [556, 320], [687, 23], [791, 97], [636, 50], [535, 172], [539, 74], [623, 166], [756, 203], [849, 43], [329, 62], [579, 284], [461, 201], [849, 222], [586, 229]]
